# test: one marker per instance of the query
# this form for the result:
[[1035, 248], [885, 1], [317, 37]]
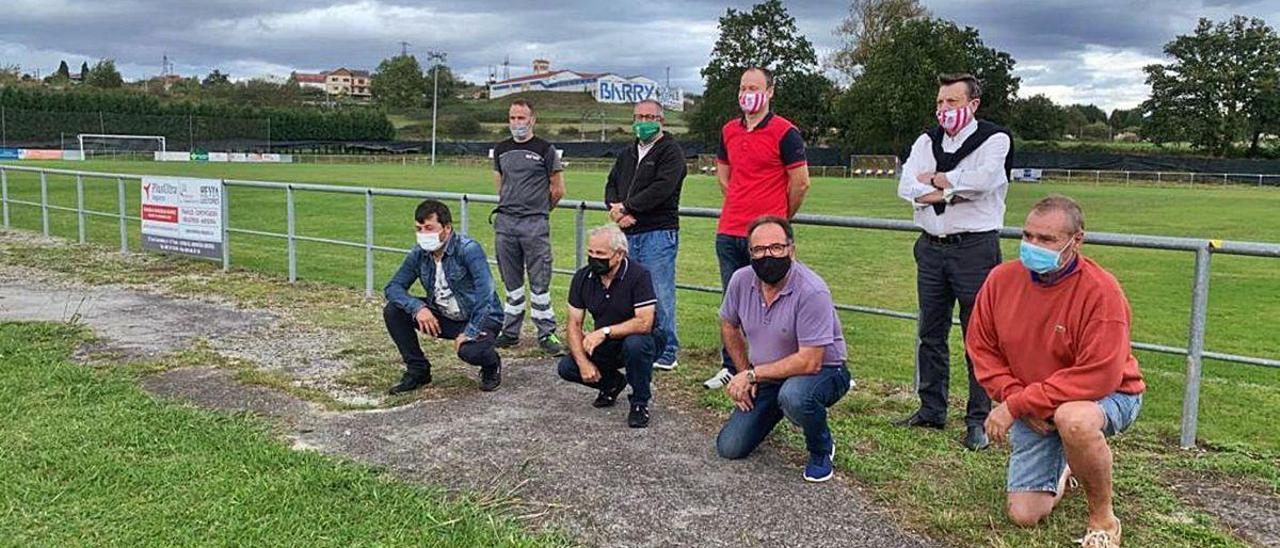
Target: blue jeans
[[1036, 462], [656, 250], [634, 355], [732, 254], [802, 399]]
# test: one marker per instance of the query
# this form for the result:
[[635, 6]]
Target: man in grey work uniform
[[530, 183]]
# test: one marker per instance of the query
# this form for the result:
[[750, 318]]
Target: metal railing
[[1098, 176], [1195, 351]]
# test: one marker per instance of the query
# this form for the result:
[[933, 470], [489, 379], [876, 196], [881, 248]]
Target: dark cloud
[[1086, 47]]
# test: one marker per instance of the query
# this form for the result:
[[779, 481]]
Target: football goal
[[99, 145]]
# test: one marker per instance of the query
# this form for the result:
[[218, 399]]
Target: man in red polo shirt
[[762, 170]]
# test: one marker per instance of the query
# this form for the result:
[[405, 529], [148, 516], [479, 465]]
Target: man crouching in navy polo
[[618, 293]]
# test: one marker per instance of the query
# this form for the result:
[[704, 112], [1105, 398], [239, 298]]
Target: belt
[[958, 237]]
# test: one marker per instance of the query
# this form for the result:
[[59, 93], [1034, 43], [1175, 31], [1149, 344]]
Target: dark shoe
[[609, 391], [551, 345], [976, 438], [490, 379], [639, 416], [916, 420], [409, 384], [506, 341]]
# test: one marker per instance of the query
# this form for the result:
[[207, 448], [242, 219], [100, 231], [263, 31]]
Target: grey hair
[[617, 240], [1068, 207], [653, 102]]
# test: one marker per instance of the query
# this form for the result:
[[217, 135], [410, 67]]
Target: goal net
[[873, 165], [94, 145]]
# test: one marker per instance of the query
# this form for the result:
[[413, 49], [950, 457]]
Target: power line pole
[[404, 49], [438, 58]]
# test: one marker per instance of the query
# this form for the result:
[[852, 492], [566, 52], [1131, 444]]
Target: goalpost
[[873, 165], [99, 143]]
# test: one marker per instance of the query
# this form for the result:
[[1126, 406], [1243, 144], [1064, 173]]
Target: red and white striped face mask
[[752, 101], [953, 120]]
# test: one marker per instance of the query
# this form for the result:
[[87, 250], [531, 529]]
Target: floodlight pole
[[438, 57]]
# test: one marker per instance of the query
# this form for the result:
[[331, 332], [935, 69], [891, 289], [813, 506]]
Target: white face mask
[[429, 241]]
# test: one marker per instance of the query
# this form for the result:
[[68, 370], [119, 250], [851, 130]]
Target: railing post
[[4, 194], [80, 207], [226, 227], [124, 227], [1195, 347], [1158, 177], [293, 244], [44, 203], [1068, 175], [464, 214], [580, 236], [368, 242], [1126, 177]]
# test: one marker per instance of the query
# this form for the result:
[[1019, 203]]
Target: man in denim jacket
[[460, 304]]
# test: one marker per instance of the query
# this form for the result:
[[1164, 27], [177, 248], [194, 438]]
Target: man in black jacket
[[643, 194]]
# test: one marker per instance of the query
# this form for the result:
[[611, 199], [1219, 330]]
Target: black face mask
[[771, 270], [598, 266]]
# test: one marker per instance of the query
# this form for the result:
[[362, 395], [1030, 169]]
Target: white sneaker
[[666, 366], [852, 384], [719, 380]]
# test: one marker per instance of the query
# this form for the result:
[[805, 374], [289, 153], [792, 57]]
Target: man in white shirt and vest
[[955, 179]]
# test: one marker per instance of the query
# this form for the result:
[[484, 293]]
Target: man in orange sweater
[[1049, 339]]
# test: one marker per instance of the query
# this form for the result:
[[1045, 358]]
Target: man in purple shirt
[[780, 327]]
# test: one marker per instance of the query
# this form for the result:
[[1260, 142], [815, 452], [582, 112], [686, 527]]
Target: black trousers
[[404, 332], [947, 273]]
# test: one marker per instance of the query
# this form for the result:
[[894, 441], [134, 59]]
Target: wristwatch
[[607, 330], [751, 376], [948, 195]]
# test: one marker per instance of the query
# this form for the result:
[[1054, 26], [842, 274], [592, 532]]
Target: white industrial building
[[606, 87]]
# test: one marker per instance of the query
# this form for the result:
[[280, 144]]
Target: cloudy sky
[[1073, 51]]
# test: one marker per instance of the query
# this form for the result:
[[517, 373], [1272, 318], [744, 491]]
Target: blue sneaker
[[820, 467]]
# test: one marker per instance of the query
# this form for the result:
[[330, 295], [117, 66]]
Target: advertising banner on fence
[[182, 215], [39, 154], [10, 154], [172, 156], [1026, 174]]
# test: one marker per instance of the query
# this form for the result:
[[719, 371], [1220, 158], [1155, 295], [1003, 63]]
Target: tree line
[[1218, 92]]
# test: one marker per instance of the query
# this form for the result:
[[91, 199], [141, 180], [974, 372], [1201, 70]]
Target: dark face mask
[[598, 266], [771, 270]]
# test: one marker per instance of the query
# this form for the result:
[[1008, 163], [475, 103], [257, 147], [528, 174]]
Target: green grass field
[[912, 471], [89, 459]]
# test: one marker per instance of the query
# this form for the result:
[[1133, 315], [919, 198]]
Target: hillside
[[566, 116]]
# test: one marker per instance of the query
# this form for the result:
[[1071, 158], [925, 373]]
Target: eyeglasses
[[648, 117], [774, 250]]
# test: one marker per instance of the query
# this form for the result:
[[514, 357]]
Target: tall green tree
[[1036, 118], [449, 85], [1220, 89], [217, 79], [398, 82], [766, 36], [64, 71], [892, 101], [1126, 119], [84, 71], [104, 75], [866, 26]]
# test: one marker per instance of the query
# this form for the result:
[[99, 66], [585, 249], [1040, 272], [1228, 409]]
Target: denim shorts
[[1036, 462]]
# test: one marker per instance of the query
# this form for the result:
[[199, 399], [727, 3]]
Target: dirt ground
[[536, 440]]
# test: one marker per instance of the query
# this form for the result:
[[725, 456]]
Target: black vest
[[948, 161]]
